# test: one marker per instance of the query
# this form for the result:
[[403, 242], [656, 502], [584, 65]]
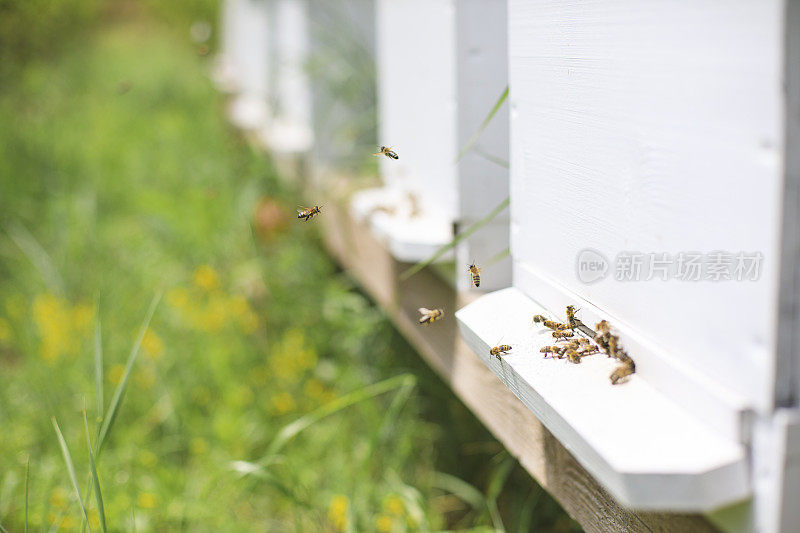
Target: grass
[[262, 359]]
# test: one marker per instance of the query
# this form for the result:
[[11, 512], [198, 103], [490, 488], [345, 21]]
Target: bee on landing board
[[572, 322], [498, 350], [475, 272], [555, 350], [622, 371], [308, 213], [563, 334], [429, 316], [548, 323], [385, 150]]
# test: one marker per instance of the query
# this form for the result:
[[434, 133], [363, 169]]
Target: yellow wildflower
[[384, 523], [337, 512], [282, 403], [393, 504], [147, 500], [68, 523], [314, 389], [58, 498], [5, 330], [115, 374], [82, 317], [206, 278], [148, 458], [152, 344], [178, 298]]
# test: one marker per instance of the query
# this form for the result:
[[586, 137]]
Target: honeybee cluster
[[575, 349]]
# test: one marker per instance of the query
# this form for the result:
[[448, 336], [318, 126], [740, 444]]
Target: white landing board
[[649, 453]]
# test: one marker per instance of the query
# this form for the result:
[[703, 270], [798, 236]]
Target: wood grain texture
[[655, 127], [503, 414]]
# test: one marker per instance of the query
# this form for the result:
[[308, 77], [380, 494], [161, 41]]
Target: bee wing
[[301, 208], [424, 310]]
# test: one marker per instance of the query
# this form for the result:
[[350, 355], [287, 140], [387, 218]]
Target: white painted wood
[[417, 100], [788, 372], [250, 56], [291, 128], [649, 453], [482, 75], [654, 127], [394, 218], [456, 55], [224, 71]]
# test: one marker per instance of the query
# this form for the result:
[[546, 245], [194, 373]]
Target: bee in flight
[[385, 150], [498, 350], [475, 272], [308, 213], [429, 316]]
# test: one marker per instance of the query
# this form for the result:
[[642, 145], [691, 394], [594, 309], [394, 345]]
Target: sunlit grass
[[261, 355]]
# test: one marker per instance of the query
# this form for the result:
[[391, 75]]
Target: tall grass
[[262, 355]]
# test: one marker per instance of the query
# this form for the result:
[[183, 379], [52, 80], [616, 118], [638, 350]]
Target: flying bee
[[603, 326], [308, 213], [563, 334], [622, 371], [475, 272], [498, 350], [572, 322], [429, 316], [387, 152]]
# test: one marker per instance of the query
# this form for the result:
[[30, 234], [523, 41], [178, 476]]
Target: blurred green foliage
[[119, 178], [34, 29]]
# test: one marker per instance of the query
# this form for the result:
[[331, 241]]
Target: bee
[[548, 323], [572, 322], [573, 355], [498, 350], [622, 371], [563, 334], [588, 350], [308, 212], [555, 350], [603, 326], [429, 316], [387, 152], [475, 272]]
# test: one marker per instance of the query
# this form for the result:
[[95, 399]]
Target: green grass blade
[[472, 140], [70, 469], [492, 158], [116, 400], [2, 529], [27, 478], [98, 366], [352, 398], [497, 258], [460, 237], [460, 488], [37, 255], [98, 496]]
